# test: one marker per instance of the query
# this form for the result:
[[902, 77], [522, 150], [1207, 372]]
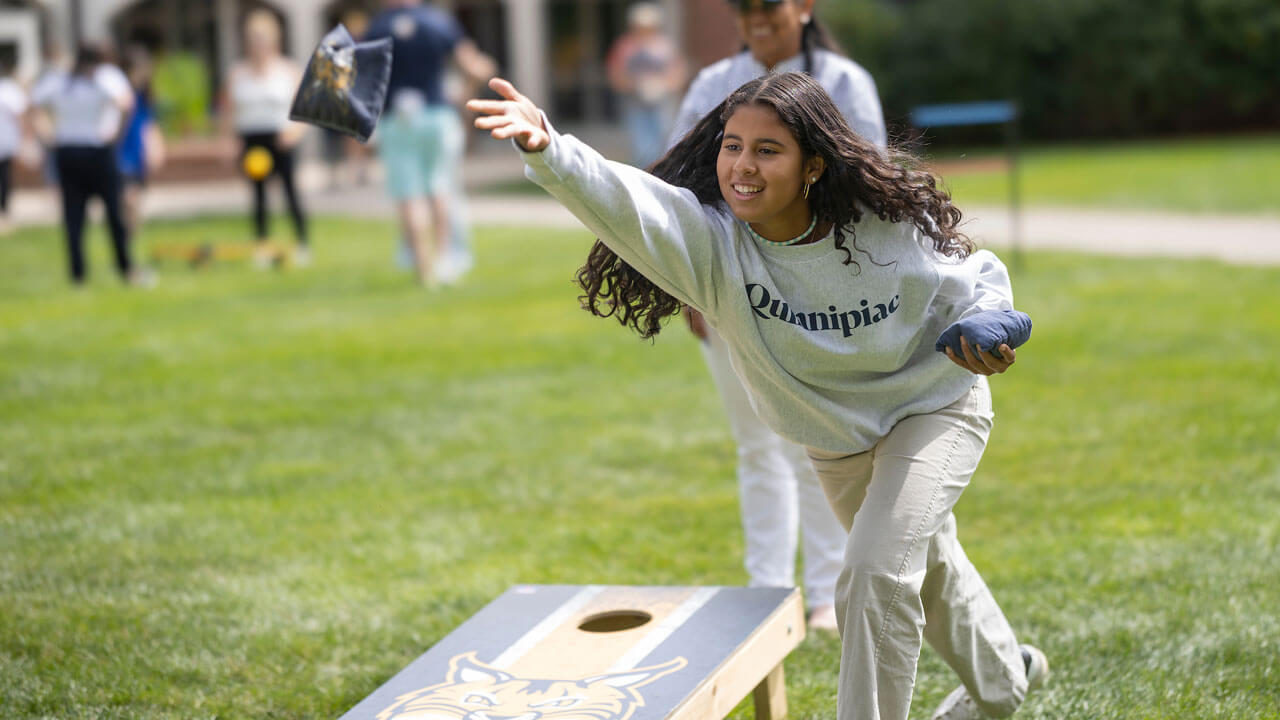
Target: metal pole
[[1015, 194]]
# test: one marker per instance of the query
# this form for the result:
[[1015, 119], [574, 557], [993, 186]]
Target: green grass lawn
[[1220, 175], [260, 494]]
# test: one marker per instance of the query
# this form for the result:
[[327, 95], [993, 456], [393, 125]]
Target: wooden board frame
[[633, 653]]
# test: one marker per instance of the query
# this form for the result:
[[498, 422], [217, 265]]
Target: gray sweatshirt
[[832, 355]]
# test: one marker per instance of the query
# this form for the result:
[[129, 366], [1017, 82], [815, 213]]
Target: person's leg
[[400, 153], [415, 223], [822, 537], [107, 185], [6, 171], [898, 544], [438, 136], [457, 250], [766, 487], [461, 257], [438, 202], [131, 204], [261, 226], [74, 198], [285, 168], [261, 223], [652, 136], [633, 120], [965, 625]]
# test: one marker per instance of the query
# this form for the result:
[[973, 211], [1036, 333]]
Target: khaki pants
[[905, 575]]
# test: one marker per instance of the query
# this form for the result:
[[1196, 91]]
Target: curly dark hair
[[859, 177]]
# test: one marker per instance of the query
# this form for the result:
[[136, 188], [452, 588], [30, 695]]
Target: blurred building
[[553, 49]]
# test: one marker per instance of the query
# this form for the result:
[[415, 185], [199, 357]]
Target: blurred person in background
[[83, 112], [13, 106], [420, 135], [141, 149], [778, 489], [647, 73], [255, 107]]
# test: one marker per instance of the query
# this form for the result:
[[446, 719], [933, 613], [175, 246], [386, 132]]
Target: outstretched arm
[[659, 229]]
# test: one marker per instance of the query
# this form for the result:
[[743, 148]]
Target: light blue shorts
[[420, 149]]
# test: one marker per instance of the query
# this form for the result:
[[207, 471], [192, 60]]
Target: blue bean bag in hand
[[988, 330]]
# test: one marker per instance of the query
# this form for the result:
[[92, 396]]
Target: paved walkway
[[1237, 239]]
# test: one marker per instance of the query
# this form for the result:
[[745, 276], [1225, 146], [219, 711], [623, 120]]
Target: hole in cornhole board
[[615, 621]]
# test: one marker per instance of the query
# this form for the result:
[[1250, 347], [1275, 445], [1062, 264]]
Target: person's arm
[[14, 102], [292, 132], [615, 66], [153, 148], [13, 98], [475, 65], [676, 70], [987, 329], [116, 85], [660, 230], [37, 119]]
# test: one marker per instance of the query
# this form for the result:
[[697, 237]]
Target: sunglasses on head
[[743, 6]]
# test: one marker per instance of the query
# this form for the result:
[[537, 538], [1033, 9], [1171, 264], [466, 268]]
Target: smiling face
[[762, 172], [772, 30]]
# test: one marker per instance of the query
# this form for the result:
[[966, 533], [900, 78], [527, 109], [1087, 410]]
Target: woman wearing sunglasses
[[779, 493]]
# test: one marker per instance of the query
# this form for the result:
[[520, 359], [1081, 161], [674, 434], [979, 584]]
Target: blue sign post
[[992, 112]]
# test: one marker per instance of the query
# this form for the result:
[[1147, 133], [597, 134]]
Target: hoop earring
[[807, 185]]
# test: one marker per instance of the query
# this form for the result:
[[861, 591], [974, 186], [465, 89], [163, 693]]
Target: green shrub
[[181, 89], [1079, 68]]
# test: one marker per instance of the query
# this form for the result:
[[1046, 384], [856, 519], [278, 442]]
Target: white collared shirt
[[847, 82], [13, 102], [86, 110]]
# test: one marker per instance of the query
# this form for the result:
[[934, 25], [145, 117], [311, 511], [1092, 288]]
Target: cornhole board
[[201, 254], [603, 653]]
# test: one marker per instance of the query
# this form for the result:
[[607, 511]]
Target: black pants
[[282, 166], [85, 171], [6, 167]]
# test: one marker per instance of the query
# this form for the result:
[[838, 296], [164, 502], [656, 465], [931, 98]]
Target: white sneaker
[[263, 257], [959, 705], [141, 277], [302, 256], [450, 267]]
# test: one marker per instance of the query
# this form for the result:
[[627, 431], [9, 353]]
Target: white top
[[261, 101], [832, 355], [87, 111], [13, 102], [847, 82]]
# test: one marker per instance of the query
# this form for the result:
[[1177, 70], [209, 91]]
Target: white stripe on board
[[544, 628], [663, 630]]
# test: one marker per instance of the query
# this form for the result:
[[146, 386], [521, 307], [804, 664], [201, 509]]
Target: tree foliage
[[1079, 68]]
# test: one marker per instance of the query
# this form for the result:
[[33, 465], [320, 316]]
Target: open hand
[[513, 117], [982, 362]]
